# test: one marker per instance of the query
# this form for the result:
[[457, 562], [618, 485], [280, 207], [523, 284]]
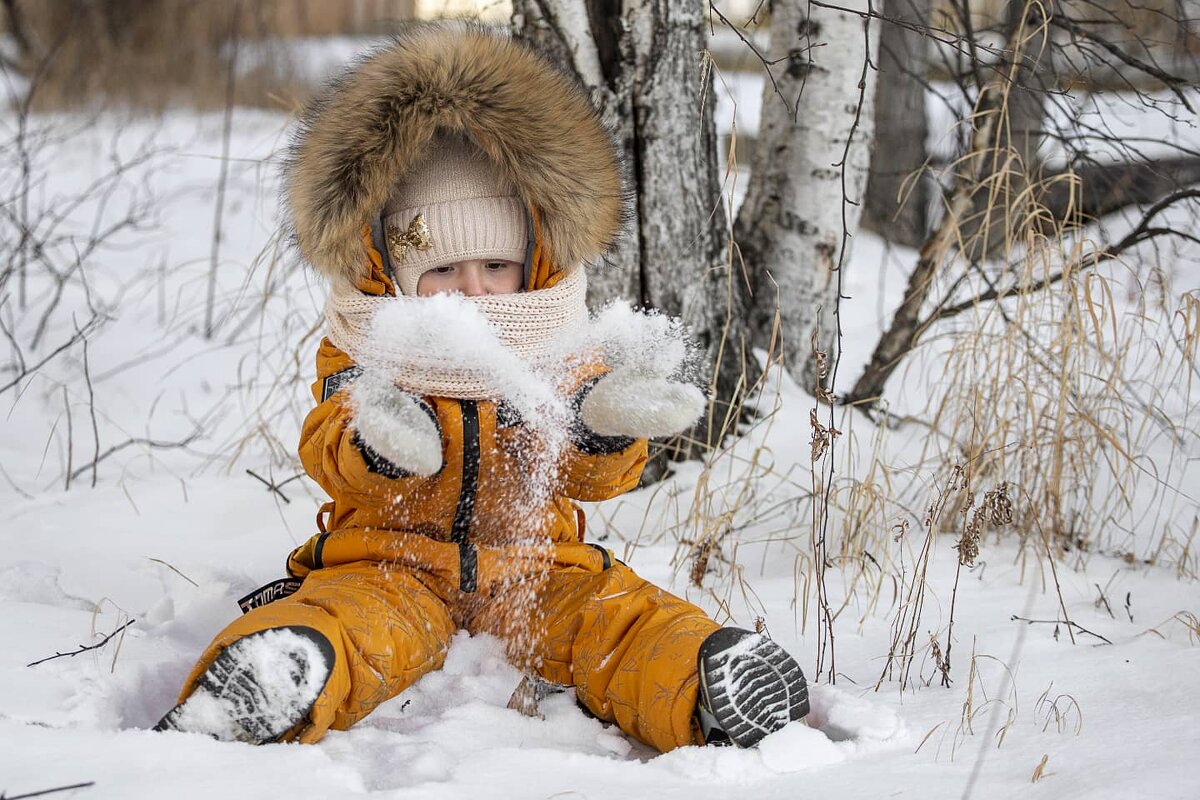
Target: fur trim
[[369, 127]]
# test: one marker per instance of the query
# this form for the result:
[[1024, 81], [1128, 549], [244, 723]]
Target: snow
[[432, 332], [170, 536], [644, 351], [651, 342], [450, 329]]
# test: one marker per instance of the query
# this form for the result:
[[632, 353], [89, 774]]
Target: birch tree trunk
[[642, 60], [807, 177], [898, 191]]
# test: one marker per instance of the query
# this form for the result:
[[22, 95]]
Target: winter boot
[[749, 687], [258, 688]]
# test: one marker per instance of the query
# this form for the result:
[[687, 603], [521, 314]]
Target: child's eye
[[498, 266], [446, 269]]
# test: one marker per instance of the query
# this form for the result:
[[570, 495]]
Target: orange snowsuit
[[402, 562]]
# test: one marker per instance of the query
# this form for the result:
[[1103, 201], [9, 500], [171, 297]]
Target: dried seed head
[[940, 659], [998, 505], [820, 360], [968, 545], [822, 437], [700, 560], [821, 367]]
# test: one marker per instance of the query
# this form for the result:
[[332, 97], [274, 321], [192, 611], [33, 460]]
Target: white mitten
[[627, 402], [394, 425]]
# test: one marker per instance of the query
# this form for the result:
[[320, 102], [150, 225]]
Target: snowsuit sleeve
[[351, 473], [331, 451]]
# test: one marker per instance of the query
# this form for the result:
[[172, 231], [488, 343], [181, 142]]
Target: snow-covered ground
[[165, 536]]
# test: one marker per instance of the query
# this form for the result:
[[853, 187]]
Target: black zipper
[[461, 529]]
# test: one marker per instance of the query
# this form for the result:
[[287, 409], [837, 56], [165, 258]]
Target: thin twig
[[766, 62], [1175, 83], [87, 374], [820, 554], [19, 366], [79, 334], [219, 212], [940, 35], [82, 648], [47, 791], [1067, 622], [274, 487], [151, 443], [1142, 232]]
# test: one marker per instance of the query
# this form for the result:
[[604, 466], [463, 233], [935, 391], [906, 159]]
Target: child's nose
[[473, 284]]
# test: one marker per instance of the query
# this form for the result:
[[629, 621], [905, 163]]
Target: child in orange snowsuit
[[458, 161]]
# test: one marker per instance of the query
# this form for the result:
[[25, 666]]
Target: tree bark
[[642, 62], [808, 174], [898, 190], [584, 38]]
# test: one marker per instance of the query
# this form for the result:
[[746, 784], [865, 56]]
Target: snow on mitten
[[395, 425], [628, 402]]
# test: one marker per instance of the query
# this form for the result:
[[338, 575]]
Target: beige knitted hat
[[454, 206]]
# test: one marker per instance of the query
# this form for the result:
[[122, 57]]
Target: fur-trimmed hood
[[374, 123]]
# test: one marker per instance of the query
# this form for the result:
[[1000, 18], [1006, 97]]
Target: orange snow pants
[[570, 614]]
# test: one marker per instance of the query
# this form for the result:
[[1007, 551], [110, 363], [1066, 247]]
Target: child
[[457, 161]]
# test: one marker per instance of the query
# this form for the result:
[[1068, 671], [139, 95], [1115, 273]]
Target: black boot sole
[[750, 685], [231, 680]]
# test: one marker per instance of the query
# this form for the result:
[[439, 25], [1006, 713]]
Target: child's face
[[472, 278]]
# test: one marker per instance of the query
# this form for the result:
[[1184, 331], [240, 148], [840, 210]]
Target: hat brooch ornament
[[417, 237]]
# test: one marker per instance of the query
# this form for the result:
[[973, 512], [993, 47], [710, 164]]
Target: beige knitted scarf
[[527, 323]]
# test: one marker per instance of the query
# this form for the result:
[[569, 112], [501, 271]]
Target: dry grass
[[1061, 711], [153, 54], [1059, 416], [1067, 394]]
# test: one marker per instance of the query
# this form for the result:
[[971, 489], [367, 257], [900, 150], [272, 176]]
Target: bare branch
[[79, 335], [153, 444], [968, 44], [1142, 232], [766, 62], [43, 792], [274, 487], [1174, 82], [82, 649], [1066, 622]]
